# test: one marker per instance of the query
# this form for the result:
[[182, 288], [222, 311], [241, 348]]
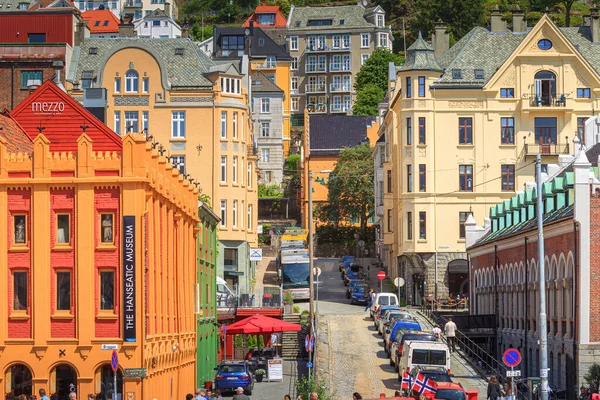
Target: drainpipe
[[526, 313], [496, 305], [12, 86], [575, 305]]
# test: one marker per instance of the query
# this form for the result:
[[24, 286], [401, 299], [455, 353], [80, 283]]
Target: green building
[[206, 295]]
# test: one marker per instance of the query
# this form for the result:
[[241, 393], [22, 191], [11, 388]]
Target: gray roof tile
[[331, 133], [420, 57], [261, 83], [353, 16]]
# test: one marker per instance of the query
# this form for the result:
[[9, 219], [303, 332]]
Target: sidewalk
[[266, 273]]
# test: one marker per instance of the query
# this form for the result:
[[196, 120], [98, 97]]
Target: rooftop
[[101, 21], [262, 44], [329, 134], [278, 20], [262, 84], [330, 18], [16, 140]]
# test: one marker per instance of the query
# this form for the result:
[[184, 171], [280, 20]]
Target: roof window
[[93, 50], [342, 22], [479, 74], [261, 42], [105, 23], [297, 24], [457, 74], [257, 83], [319, 22], [179, 52], [97, 23]]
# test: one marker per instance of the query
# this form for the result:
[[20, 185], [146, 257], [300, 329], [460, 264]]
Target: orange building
[[99, 255]]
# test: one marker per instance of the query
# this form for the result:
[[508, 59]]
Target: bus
[[293, 266]]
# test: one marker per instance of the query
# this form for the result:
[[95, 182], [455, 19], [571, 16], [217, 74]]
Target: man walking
[[43, 395], [240, 394], [314, 396], [450, 331]]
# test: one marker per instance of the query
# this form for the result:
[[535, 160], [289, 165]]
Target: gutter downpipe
[[575, 306], [526, 305]]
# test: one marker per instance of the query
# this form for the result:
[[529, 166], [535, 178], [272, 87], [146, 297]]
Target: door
[[418, 289], [346, 86], [337, 81]]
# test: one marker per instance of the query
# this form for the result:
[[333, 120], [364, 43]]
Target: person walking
[[240, 394], [287, 397], [72, 396], [450, 331], [200, 394], [314, 396], [43, 395], [189, 396], [508, 389], [218, 395], [436, 331], [370, 301], [209, 394], [494, 391]]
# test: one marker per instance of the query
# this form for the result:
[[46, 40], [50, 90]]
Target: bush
[[251, 342], [238, 341], [288, 297], [261, 341], [329, 234], [593, 376], [296, 309], [304, 388]]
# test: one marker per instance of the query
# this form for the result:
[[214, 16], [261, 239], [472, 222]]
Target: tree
[[351, 187], [265, 190], [593, 376], [375, 69], [305, 387], [367, 100], [568, 5]]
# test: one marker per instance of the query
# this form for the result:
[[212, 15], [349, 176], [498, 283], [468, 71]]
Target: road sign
[[399, 282], [512, 357], [255, 254], [516, 372], [317, 271], [109, 347], [381, 275], [361, 243], [135, 372], [114, 361], [308, 364]]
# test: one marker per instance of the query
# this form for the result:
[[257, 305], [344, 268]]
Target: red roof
[[17, 140], [101, 21], [62, 118], [280, 20]]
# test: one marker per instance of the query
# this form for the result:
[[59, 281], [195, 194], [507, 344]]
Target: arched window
[[132, 81], [18, 382], [545, 88], [104, 382], [63, 381]]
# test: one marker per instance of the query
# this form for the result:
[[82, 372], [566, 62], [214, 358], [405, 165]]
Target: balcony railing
[[560, 100], [133, 4], [260, 298], [252, 150], [340, 108], [340, 87], [315, 88], [266, 65], [316, 108], [316, 68], [339, 67], [545, 149], [325, 49]]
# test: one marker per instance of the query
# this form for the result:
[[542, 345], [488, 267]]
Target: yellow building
[[199, 111], [462, 131]]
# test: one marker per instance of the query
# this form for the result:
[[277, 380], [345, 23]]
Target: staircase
[[292, 345]]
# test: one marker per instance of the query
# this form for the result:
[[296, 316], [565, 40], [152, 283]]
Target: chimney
[[168, 9], [595, 24], [185, 33], [519, 21], [498, 25], [58, 66], [440, 39], [251, 27], [587, 20], [126, 27], [80, 33]]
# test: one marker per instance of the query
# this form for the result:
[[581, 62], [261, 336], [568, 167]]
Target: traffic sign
[[361, 243], [308, 364], [317, 271], [306, 342], [512, 357], [399, 282], [516, 372], [381, 275], [114, 361]]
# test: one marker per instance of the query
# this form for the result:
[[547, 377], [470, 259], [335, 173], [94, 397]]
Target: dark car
[[345, 265], [234, 374], [354, 271], [398, 345], [437, 374], [397, 325], [350, 287], [344, 259], [360, 295]]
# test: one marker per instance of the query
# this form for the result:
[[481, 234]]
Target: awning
[[458, 267]]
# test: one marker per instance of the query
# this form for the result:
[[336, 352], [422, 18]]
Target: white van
[[225, 297], [383, 299], [424, 355]]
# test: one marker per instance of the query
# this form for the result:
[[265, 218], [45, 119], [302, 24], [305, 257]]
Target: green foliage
[[296, 309], [305, 319], [375, 69], [593, 376], [229, 12], [287, 297], [367, 100], [350, 188], [265, 190], [205, 199], [238, 341], [291, 165], [251, 342], [260, 371], [344, 235], [261, 341], [304, 388], [199, 34]]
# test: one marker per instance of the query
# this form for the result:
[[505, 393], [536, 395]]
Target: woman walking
[[508, 389], [494, 392]]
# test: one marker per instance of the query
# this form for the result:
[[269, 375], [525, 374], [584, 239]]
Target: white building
[[157, 24]]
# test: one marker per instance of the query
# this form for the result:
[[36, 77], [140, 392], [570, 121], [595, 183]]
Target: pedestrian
[[508, 390], [22, 397], [314, 396], [200, 394], [72, 396], [33, 397], [369, 301], [240, 394], [450, 331], [397, 393], [356, 396], [92, 396], [287, 397], [494, 390], [218, 395], [43, 395], [299, 397], [436, 331], [209, 394], [189, 396]]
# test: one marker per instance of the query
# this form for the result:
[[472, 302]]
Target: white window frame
[[265, 105], [118, 85], [383, 40], [145, 122], [132, 81], [223, 213], [265, 129], [380, 21], [145, 85], [249, 217], [178, 124], [117, 121], [294, 64], [137, 120], [266, 152], [295, 103], [234, 208], [223, 169], [337, 42], [364, 58], [223, 124], [235, 124], [346, 41], [363, 37], [234, 164], [294, 83], [230, 85], [249, 174], [178, 162], [293, 42]]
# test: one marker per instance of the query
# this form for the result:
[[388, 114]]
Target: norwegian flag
[[425, 386], [407, 381]]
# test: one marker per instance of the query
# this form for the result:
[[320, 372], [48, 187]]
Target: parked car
[[381, 311], [438, 374], [383, 322], [450, 391], [344, 259], [355, 271], [396, 325], [346, 266], [234, 374], [398, 344], [360, 295], [424, 355], [350, 287], [383, 299]]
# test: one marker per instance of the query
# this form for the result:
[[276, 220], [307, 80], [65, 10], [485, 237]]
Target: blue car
[[390, 334], [354, 271], [344, 259], [234, 374], [345, 266], [351, 286], [360, 295]]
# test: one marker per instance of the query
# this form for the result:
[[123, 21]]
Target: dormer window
[[297, 24], [380, 21], [266, 19], [457, 74], [319, 22], [342, 22], [479, 74], [261, 42], [97, 23], [231, 42], [230, 85], [93, 50], [179, 52]]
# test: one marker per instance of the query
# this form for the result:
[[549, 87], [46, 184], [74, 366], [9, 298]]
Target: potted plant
[[259, 374], [288, 302]]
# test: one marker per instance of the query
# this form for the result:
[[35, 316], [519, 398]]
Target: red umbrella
[[261, 324]]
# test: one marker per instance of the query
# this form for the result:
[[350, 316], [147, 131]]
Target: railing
[[252, 150], [325, 48], [133, 4], [340, 87], [265, 65], [315, 87], [340, 108], [316, 108], [560, 100], [339, 67], [316, 68], [545, 149]]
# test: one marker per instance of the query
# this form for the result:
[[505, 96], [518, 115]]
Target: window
[[131, 81], [409, 183], [337, 41], [422, 178], [234, 211], [223, 124], [249, 174], [545, 130], [230, 86], [63, 291], [545, 44], [507, 93], [234, 165], [179, 163], [223, 169], [383, 40], [117, 122], [21, 297], [265, 155], [389, 220], [364, 40], [363, 58], [294, 43], [421, 86], [131, 121], [465, 173], [107, 290], [178, 124], [319, 22], [232, 42], [422, 131], [86, 79], [145, 122], [265, 106], [457, 74], [265, 129], [465, 130], [581, 128], [33, 77], [155, 23], [19, 229], [234, 122], [117, 85], [422, 225], [294, 64], [145, 85], [408, 87], [346, 41], [249, 224], [342, 21], [294, 83], [380, 21], [230, 257], [295, 104], [389, 181], [63, 229], [106, 228], [507, 129], [36, 38], [266, 19], [583, 93], [224, 213], [508, 178], [479, 75], [409, 226], [462, 218], [409, 131]]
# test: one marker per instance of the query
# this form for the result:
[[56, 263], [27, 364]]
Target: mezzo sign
[[47, 107]]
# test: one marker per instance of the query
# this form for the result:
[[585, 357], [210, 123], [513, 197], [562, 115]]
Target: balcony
[[340, 108], [340, 67], [133, 4], [560, 102], [531, 150], [252, 150], [317, 108], [327, 49], [260, 298], [340, 87], [315, 88], [265, 65], [316, 68]]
